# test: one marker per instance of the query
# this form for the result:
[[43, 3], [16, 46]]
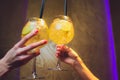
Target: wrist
[[4, 68], [77, 63], [83, 71]]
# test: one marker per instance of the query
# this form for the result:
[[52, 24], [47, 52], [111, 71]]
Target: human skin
[[70, 57], [18, 54]]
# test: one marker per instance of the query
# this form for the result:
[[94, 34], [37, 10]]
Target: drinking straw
[[65, 7], [42, 8]]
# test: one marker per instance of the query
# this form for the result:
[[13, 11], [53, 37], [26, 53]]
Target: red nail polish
[[45, 41], [36, 31]]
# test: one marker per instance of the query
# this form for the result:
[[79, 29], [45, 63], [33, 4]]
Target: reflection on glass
[[40, 24], [61, 31]]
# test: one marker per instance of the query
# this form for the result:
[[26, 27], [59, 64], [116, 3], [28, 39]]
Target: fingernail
[[37, 53], [44, 41], [56, 54], [36, 31]]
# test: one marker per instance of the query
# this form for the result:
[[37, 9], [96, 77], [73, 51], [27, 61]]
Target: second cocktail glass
[[61, 31]]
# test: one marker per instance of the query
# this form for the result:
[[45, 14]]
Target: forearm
[[83, 71], [3, 68]]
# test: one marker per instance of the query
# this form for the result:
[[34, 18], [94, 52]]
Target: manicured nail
[[45, 41], [36, 31], [37, 52]]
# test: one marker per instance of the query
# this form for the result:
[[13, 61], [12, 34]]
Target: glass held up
[[41, 26], [61, 31]]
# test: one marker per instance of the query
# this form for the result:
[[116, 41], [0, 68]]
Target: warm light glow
[[39, 24], [61, 30]]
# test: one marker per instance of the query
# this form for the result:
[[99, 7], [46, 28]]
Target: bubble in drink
[[41, 26], [61, 30]]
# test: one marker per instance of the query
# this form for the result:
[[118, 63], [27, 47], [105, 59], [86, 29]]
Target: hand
[[70, 57], [18, 55], [66, 54]]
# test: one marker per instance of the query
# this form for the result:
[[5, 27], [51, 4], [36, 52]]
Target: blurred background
[[91, 39]]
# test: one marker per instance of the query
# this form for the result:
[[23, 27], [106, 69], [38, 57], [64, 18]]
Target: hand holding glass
[[61, 31]]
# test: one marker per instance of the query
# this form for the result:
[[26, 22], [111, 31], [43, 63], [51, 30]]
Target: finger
[[33, 45], [60, 45], [72, 53], [27, 37], [34, 51], [58, 49], [57, 53], [26, 57], [66, 48]]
